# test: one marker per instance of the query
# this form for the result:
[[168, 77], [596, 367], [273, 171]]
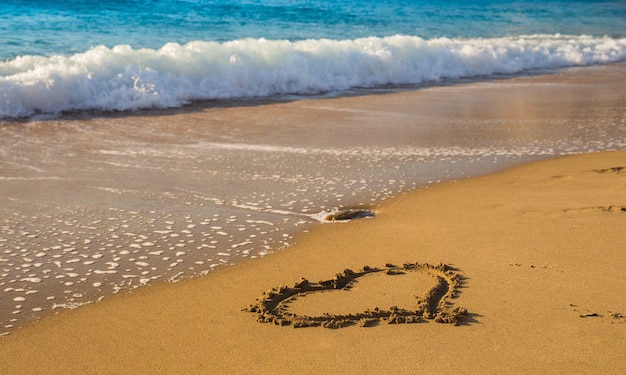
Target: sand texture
[[94, 204], [531, 259]]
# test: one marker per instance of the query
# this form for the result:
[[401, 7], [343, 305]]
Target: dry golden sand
[[541, 252]]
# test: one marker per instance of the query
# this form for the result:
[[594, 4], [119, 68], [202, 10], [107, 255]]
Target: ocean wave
[[122, 78]]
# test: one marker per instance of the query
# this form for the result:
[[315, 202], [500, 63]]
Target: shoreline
[[200, 105], [98, 206], [534, 273]]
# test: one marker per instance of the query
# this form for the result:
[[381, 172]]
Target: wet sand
[[538, 251], [510, 271], [95, 205]]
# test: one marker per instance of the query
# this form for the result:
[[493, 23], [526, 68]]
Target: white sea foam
[[123, 78], [32, 279]]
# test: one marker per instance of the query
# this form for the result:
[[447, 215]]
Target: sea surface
[[69, 55], [135, 146]]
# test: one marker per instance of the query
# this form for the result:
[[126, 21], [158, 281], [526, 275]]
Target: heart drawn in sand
[[433, 304]]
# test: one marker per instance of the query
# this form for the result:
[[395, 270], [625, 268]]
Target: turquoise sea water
[[124, 55], [46, 27]]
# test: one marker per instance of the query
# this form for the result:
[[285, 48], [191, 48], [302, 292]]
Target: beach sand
[[529, 259], [539, 251]]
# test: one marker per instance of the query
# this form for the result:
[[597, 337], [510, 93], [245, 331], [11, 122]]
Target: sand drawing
[[274, 305]]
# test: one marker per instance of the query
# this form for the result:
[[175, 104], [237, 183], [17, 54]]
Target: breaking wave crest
[[122, 78]]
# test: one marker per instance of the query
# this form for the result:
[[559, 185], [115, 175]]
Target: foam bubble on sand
[[107, 272], [146, 245], [158, 252], [32, 279]]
